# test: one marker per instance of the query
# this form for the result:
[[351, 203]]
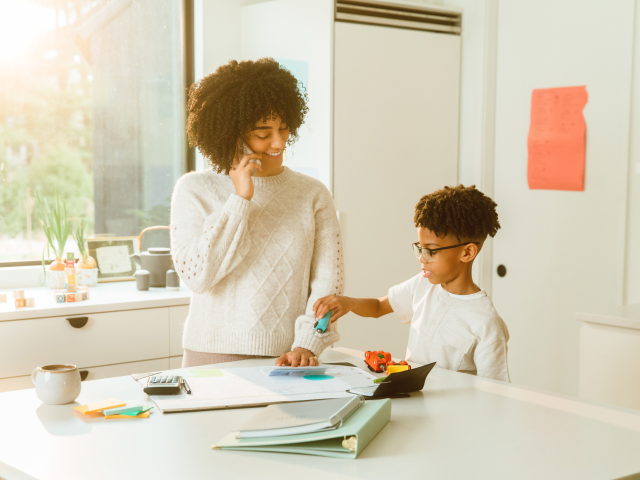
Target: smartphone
[[247, 151]]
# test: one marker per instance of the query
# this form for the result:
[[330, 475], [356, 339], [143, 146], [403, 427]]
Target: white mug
[[56, 384]]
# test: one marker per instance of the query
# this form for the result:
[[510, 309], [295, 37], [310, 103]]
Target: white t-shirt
[[459, 332]]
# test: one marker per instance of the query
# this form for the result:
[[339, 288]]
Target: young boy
[[453, 321]]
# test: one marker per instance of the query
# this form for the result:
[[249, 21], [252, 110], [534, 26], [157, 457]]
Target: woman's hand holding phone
[[240, 174]]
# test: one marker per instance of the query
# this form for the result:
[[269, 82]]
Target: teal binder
[[347, 441]]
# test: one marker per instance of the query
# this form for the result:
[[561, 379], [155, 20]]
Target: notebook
[[346, 441], [300, 417]]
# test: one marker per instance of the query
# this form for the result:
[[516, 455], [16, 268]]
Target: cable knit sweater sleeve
[[326, 276], [206, 246]]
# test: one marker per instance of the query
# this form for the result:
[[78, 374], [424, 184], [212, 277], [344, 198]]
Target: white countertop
[[106, 297], [627, 316], [459, 426]]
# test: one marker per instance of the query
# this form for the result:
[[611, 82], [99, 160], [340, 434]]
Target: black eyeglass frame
[[419, 251]]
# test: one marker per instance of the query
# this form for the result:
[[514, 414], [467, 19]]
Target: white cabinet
[[610, 356], [142, 334], [97, 373], [106, 338], [175, 362]]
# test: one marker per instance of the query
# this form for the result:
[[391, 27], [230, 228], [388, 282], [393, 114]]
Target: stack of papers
[[254, 386], [113, 408]]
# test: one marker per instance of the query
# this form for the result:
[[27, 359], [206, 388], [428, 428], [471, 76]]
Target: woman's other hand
[[338, 305], [240, 174], [298, 357]]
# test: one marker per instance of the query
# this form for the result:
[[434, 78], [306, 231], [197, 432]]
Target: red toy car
[[379, 361]]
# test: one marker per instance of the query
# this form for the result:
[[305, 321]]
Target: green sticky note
[[136, 413], [206, 373], [380, 380]]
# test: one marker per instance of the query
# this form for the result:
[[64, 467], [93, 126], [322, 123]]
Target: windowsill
[[106, 297]]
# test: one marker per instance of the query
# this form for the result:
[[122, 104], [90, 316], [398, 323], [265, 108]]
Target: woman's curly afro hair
[[225, 105], [462, 211]]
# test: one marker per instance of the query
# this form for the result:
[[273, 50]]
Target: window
[[92, 106]]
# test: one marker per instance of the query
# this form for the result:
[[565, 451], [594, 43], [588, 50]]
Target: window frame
[[188, 75]]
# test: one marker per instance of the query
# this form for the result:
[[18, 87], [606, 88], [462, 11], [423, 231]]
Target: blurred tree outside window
[[92, 104]]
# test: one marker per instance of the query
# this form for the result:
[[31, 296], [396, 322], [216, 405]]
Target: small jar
[[143, 279], [173, 280]]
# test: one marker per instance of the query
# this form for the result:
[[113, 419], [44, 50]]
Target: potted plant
[[56, 228], [87, 269]]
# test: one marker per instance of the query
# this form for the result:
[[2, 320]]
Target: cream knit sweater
[[255, 267]]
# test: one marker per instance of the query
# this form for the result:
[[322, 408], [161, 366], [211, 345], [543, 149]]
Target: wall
[[299, 35], [564, 250], [217, 40], [477, 109], [251, 29], [539, 50]]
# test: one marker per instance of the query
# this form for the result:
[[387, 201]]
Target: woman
[[257, 251]]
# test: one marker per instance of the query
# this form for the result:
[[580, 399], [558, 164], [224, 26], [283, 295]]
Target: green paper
[[206, 373], [136, 413]]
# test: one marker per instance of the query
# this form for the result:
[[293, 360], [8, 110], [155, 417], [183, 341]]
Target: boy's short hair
[[462, 211]]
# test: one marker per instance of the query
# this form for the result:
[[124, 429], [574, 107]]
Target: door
[[562, 250], [395, 139]]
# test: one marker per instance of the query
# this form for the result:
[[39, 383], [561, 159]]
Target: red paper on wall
[[557, 139]]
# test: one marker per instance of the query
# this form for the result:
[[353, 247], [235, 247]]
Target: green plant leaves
[[55, 225]]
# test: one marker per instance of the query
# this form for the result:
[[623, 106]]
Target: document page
[[229, 387]]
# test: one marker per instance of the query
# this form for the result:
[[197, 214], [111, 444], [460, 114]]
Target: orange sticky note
[[557, 137], [99, 406]]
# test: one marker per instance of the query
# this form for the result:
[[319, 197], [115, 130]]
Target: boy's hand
[[338, 305]]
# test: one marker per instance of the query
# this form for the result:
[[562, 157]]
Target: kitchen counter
[[106, 297], [610, 355], [627, 316]]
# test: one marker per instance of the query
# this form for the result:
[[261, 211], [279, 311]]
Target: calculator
[[164, 385]]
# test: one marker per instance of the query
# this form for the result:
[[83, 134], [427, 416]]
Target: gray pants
[[194, 359]]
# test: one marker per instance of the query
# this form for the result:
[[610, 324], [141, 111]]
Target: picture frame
[[112, 257]]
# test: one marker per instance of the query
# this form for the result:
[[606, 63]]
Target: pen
[[186, 386]]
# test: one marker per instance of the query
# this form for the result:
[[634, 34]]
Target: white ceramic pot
[[55, 279], [87, 277], [56, 384]]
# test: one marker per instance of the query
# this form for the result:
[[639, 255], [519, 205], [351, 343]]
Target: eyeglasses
[[427, 253]]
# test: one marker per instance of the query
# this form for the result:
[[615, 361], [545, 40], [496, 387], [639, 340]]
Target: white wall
[[299, 33], [477, 109], [291, 30], [216, 40], [545, 48], [564, 251]]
